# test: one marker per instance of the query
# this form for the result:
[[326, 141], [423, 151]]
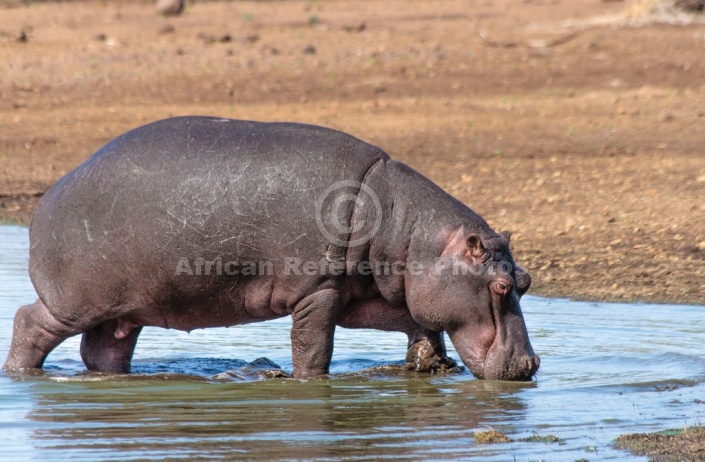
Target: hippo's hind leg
[[36, 332], [108, 347]]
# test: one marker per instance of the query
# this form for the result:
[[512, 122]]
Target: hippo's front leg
[[426, 349], [314, 320], [427, 352]]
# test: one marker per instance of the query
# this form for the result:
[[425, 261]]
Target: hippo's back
[[194, 187]]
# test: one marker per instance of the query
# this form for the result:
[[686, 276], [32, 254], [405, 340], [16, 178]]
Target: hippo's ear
[[523, 280], [506, 235], [474, 245]]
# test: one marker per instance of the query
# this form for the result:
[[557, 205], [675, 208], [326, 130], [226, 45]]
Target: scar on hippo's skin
[[455, 240], [124, 328]]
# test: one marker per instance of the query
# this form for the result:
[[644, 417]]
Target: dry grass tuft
[[491, 437]]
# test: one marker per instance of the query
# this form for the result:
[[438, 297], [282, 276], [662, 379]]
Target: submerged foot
[[424, 356]]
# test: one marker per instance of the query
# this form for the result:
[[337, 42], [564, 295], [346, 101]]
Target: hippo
[[196, 222]]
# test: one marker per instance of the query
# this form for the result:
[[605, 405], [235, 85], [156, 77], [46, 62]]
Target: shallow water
[[606, 369]]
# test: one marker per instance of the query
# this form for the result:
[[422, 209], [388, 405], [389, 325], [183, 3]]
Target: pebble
[[170, 7], [701, 245]]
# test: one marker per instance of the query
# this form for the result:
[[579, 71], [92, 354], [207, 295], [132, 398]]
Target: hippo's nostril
[[531, 365], [535, 362]]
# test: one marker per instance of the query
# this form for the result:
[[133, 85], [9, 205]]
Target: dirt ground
[[585, 140]]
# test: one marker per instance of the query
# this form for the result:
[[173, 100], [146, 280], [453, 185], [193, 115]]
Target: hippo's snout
[[522, 369], [527, 366], [504, 360]]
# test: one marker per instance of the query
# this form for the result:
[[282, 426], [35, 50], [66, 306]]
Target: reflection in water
[[348, 418]]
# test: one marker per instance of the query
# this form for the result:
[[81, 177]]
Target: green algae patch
[[547, 439], [687, 444]]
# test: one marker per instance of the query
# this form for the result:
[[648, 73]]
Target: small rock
[[22, 38], [310, 50], [225, 38], [170, 7], [701, 245], [167, 29], [206, 38], [700, 179], [359, 28], [261, 368], [100, 37]]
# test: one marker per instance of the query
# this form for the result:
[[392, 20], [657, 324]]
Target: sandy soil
[[591, 151]]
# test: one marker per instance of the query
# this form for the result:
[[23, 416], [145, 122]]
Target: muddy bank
[[684, 445]]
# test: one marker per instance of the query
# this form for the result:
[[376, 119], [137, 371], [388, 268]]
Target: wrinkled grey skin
[[108, 238]]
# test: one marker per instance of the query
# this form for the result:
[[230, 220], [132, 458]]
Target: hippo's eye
[[500, 287]]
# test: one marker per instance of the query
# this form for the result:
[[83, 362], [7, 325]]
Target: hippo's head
[[472, 292]]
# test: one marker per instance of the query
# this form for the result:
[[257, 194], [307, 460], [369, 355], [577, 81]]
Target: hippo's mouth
[[502, 362], [473, 355], [495, 359], [477, 368]]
